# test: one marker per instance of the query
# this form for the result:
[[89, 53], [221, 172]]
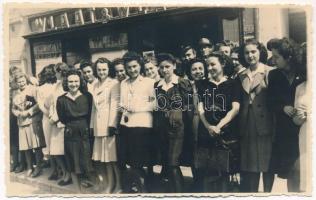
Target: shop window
[[45, 50], [108, 42]]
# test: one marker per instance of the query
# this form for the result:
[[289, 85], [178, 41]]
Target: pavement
[[21, 185]]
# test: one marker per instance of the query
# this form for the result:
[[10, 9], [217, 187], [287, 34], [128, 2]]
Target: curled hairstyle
[[190, 64], [85, 64], [83, 85], [131, 56], [150, 60], [47, 77], [166, 57], [287, 48], [225, 61], [110, 66], [62, 68], [262, 51], [21, 75], [117, 61]]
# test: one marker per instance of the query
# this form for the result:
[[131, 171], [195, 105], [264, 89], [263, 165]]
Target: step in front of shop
[[44, 185]]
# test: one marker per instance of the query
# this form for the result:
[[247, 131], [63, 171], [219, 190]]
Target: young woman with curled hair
[[137, 102], [170, 117], [218, 107], [255, 118], [74, 111], [46, 89], [31, 136], [104, 113], [282, 86]]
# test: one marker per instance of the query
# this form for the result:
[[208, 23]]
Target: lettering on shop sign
[[77, 17], [108, 42], [44, 50]]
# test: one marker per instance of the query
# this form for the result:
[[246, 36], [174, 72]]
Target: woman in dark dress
[[172, 94], [74, 110], [282, 85], [219, 105]]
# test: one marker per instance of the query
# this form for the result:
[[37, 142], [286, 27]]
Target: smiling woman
[[74, 110]]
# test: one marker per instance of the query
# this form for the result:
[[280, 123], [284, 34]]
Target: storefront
[[70, 35]]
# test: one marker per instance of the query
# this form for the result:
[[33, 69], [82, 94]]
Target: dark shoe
[[63, 183], [19, 169], [29, 172], [13, 167], [36, 172], [53, 176]]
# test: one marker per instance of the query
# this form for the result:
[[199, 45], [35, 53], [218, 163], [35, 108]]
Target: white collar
[[260, 69], [139, 78], [73, 97], [174, 80], [241, 70], [223, 79]]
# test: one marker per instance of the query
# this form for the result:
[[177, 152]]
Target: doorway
[[76, 49]]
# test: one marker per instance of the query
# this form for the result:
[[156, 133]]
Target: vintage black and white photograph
[[166, 100]]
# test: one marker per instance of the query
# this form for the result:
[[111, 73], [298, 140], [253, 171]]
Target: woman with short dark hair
[[74, 111], [172, 94], [46, 89], [218, 108], [282, 85], [137, 102]]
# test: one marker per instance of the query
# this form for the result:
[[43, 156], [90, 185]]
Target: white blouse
[[139, 98]]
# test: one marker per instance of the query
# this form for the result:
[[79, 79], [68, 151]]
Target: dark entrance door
[[168, 34], [75, 49]]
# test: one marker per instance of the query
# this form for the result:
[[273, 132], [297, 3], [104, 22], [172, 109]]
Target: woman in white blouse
[[104, 112], [137, 103]]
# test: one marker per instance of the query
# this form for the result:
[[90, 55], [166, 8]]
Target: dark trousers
[[250, 181]]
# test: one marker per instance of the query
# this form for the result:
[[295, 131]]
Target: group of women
[[228, 113]]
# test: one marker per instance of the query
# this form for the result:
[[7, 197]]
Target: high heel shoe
[[37, 171], [53, 176], [19, 169]]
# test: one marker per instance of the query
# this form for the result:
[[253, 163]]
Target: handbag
[[220, 157]]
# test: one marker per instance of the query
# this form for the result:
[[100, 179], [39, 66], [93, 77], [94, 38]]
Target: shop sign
[[44, 50], [108, 42], [81, 16]]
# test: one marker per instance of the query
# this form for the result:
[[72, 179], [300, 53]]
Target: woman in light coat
[[104, 113]]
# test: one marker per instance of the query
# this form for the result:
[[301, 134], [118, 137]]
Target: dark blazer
[[286, 146], [256, 93]]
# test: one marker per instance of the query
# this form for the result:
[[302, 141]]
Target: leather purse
[[221, 157]]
